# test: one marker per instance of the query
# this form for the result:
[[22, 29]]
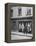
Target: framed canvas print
[[19, 22]]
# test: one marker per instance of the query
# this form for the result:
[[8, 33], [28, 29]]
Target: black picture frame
[[7, 22]]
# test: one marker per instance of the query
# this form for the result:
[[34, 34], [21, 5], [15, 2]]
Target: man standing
[[22, 27]]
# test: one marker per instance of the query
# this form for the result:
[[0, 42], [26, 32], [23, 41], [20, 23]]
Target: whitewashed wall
[[23, 11], [15, 11]]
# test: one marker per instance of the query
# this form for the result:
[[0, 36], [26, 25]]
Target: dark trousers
[[20, 30]]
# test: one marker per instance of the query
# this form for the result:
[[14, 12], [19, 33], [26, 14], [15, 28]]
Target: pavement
[[20, 35]]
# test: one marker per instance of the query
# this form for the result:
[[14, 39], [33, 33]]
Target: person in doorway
[[20, 27], [25, 29], [29, 28]]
